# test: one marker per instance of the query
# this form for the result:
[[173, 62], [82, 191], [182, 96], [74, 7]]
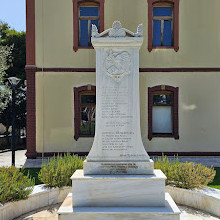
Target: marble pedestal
[[103, 197], [118, 190]]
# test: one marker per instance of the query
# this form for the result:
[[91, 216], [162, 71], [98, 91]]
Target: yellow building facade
[[54, 69]]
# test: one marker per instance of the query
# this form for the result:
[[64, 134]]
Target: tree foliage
[[17, 60], [13, 59], [5, 55], [13, 45]]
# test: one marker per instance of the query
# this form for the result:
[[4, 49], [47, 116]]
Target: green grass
[[33, 173], [216, 181]]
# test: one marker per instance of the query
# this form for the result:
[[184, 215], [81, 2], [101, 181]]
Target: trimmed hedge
[[185, 175], [57, 171], [14, 185]]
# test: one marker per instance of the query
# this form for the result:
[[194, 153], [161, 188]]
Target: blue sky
[[14, 13]]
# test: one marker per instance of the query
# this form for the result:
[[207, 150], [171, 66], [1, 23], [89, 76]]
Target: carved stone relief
[[117, 64]]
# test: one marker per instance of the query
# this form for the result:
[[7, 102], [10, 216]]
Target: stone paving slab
[[50, 213], [21, 160], [207, 161]]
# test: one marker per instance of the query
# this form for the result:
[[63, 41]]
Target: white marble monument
[[118, 180], [117, 147]]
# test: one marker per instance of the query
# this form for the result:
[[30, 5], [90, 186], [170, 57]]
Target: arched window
[[163, 112], [163, 24], [86, 13], [84, 111]]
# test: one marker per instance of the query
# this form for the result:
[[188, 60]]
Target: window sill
[[76, 48], [163, 135], [162, 47], [91, 47], [86, 136]]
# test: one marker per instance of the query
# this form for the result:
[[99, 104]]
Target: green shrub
[[14, 185], [57, 171], [185, 175], [33, 174]]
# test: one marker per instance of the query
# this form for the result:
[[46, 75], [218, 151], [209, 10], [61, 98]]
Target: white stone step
[[118, 190], [169, 212]]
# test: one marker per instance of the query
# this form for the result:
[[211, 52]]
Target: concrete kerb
[[40, 197], [207, 199]]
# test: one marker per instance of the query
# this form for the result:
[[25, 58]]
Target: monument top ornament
[[117, 31]]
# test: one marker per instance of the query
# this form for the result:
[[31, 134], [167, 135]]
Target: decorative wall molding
[[30, 32], [182, 69], [142, 70], [197, 154], [30, 76]]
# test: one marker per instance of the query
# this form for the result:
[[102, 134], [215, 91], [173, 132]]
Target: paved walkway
[[21, 159], [50, 213], [207, 161]]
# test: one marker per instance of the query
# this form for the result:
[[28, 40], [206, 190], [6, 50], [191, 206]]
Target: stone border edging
[[207, 199], [39, 198]]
